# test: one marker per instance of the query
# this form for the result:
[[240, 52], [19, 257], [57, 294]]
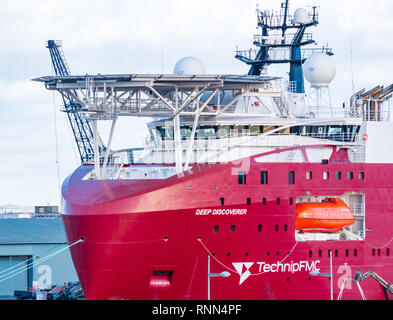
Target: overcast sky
[[150, 36]]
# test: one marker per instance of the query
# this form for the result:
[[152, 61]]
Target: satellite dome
[[189, 65], [300, 16], [319, 69]]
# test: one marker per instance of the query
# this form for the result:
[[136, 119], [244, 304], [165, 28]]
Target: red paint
[[134, 227]]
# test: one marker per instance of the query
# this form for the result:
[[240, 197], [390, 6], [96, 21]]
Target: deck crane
[[79, 123], [387, 286]]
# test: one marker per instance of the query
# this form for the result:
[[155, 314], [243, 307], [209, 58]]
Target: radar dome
[[319, 69], [300, 16], [189, 65]]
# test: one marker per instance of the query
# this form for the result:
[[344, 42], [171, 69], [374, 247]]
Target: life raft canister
[[330, 215]]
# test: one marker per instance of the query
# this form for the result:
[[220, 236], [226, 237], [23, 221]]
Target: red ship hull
[[150, 239]]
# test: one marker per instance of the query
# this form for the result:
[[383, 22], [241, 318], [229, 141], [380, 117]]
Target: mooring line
[[29, 266], [234, 271]]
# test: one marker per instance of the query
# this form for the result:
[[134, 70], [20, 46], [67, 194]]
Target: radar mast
[[281, 41]]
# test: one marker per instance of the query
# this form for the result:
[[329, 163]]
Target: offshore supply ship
[[247, 188]]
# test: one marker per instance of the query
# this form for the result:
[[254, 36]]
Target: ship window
[[264, 175], [259, 228], [276, 228], [355, 252], [325, 175], [264, 201], [379, 252], [166, 132], [319, 253], [248, 201], [216, 228], [308, 175], [338, 175], [350, 175], [206, 132], [233, 227], [387, 251], [242, 177], [221, 201], [278, 200], [291, 177], [336, 253], [361, 175], [373, 251], [285, 227], [346, 252], [310, 253], [290, 201]]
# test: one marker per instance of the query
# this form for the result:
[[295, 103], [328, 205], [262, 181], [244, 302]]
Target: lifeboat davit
[[330, 215]]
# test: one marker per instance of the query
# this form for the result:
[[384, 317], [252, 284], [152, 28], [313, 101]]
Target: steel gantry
[[80, 125], [106, 97]]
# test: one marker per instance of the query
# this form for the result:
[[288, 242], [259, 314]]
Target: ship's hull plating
[[134, 230]]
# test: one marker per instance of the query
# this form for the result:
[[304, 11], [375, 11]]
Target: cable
[[56, 140], [342, 289], [361, 291], [23, 262], [234, 271], [29, 266]]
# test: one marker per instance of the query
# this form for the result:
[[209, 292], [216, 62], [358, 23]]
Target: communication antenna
[[351, 56]]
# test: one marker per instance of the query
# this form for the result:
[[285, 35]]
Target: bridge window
[[291, 177], [361, 175], [264, 175], [338, 175], [308, 175], [325, 175], [221, 201], [242, 177], [350, 175]]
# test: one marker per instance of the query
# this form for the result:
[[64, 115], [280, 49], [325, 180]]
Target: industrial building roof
[[32, 231]]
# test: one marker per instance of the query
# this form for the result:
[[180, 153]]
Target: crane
[[387, 286], [79, 123]]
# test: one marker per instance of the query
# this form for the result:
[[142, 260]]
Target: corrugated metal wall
[[18, 282]]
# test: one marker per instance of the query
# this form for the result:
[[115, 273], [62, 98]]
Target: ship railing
[[357, 154], [245, 141], [358, 210], [281, 54], [277, 38]]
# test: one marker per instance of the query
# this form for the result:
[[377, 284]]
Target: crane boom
[[80, 126], [386, 285]]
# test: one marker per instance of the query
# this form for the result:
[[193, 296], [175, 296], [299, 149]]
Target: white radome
[[319, 69], [189, 65], [300, 16]]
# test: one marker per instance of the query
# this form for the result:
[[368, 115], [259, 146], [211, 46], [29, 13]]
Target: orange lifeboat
[[330, 215]]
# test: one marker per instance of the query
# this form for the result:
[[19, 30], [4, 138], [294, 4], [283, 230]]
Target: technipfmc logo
[[243, 268], [239, 268]]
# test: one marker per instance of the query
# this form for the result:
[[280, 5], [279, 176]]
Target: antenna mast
[[277, 46]]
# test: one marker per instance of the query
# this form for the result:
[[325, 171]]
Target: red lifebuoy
[[365, 137]]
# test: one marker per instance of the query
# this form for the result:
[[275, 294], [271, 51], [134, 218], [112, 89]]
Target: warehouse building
[[23, 241]]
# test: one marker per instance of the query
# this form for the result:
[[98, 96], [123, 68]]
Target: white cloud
[[127, 36]]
